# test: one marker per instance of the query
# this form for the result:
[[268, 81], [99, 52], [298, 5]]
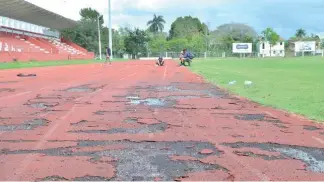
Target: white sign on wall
[[242, 47], [305, 46]]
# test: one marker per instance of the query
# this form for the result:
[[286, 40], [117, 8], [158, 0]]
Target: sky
[[284, 16]]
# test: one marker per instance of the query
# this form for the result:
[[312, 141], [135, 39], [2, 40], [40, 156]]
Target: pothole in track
[[81, 88], [143, 161], [312, 157], [42, 105], [153, 128], [27, 125]]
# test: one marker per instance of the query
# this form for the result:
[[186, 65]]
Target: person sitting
[[160, 61], [181, 58]]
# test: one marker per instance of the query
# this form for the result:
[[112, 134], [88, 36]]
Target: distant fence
[[214, 54], [176, 55]]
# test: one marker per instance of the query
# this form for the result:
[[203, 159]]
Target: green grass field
[[292, 84], [30, 64]]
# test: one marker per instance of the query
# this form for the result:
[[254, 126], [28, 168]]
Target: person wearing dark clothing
[[187, 57], [108, 54], [160, 61]]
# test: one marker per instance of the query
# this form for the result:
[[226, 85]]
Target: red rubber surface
[[212, 119]]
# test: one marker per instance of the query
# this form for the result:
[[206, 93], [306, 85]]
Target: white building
[[267, 50]]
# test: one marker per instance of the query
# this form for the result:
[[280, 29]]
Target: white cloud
[[71, 8]]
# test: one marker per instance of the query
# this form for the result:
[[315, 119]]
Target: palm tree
[[156, 24], [300, 33]]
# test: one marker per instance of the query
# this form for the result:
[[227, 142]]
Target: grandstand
[[29, 32]]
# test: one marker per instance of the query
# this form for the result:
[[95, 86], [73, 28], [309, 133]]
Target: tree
[[270, 36], [156, 24], [136, 42], [186, 27], [85, 33], [91, 15], [158, 44], [225, 35], [239, 32], [300, 33]]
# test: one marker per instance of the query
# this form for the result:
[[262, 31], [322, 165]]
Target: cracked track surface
[[135, 121]]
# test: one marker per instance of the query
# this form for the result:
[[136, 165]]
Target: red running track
[[135, 121]]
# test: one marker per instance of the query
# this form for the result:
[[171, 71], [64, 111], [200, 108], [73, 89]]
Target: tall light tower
[[110, 29]]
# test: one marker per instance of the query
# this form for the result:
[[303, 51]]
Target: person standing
[[108, 54]]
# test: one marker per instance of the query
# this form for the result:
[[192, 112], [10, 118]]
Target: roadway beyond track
[[135, 121]]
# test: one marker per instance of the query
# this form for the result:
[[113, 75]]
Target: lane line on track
[[248, 167], [318, 140], [29, 158], [165, 72], [43, 88]]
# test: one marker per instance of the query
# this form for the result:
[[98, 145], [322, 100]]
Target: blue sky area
[[285, 16]]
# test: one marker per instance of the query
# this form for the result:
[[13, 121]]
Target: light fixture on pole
[[110, 31]]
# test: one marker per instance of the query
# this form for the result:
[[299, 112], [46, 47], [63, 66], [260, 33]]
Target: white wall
[[277, 50]]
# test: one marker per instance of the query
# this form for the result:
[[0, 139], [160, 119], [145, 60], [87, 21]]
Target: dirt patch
[[53, 178], [263, 156], [131, 120], [250, 117], [311, 128], [27, 125], [42, 105], [80, 123], [81, 88], [6, 82], [312, 157], [154, 128], [6, 90], [91, 178]]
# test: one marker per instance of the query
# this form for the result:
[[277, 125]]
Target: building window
[[263, 45], [281, 52], [280, 43]]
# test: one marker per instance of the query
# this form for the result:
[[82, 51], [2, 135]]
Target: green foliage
[[186, 27], [300, 33], [136, 42], [91, 15], [158, 43], [270, 35], [156, 24], [177, 44], [224, 36]]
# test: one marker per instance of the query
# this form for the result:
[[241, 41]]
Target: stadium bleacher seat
[[11, 44]]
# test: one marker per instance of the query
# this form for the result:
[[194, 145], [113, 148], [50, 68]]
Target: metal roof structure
[[25, 11]]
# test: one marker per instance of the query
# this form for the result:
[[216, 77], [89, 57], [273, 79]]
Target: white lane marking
[[246, 166], [165, 72], [29, 158], [318, 140]]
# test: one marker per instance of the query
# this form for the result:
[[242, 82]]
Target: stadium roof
[[28, 12]]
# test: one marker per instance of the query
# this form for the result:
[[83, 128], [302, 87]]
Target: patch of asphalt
[[312, 157], [153, 128], [263, 156], [27, 125], [83, 88], [311, 128], [6, 90], [140, 160]]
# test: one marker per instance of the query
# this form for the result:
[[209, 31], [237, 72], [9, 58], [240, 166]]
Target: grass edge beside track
[[300, 93]]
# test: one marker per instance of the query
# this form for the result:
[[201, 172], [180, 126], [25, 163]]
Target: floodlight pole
[[110, 31], [99, 37]]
